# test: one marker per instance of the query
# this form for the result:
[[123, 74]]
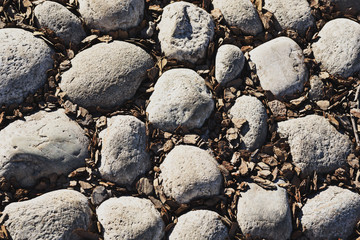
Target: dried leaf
[[355, 112], [238, 122]]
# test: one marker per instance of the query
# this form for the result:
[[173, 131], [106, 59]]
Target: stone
[[200, 225], [229, 63], [180, 98], [24, 60], [54, 215], [189, 173], [316, 91], [253, 133], [338, 48], [130, 218], [185, 32], [58, 18], [123, 154], [264, 213], [315, 145], [294, 14], [240, 14], [331, 214], [106, 75], [99, 195], [112, 15], [280, 66], [43, 144]]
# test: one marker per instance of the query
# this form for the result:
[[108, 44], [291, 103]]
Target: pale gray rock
[[331, 214], [24, 60], [315, 145], [229, 63], [280, 66], [253, 133], [43, 144], [185, 31], [188, 173], [180, 98], [112, 15], [58, 18], [106, 75], [130, 218], [264, 213], [316, 91], [338, 47], [199, 225], [241, 14], [123, 154], [54, 215]]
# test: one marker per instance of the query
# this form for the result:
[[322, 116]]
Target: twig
[[355, 129]]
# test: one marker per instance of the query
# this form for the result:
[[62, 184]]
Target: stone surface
[[106, 75], [264, 213], [253, 133], [180, 98], [200, 225], [112, 15], [185, 31], [24, 60], [316, 91], [58, 18], [43, 144], [241, 14], [54, 215], [338, 47], [229, 63], [280, 66], [123, 154], [331, 214], [315, 145], [130, 218], [189, 173]]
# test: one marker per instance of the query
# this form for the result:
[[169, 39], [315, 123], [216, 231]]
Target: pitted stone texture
[[43, 144], [112, 15], [54, 215], [106, 75], [294, 14], [185, 31], [229, 63], [130, 218], [24, 60], [315, 145], [253, 133], [199, 225], [280, 66], [264, 213], [123, 153], [331, 214], [180, 98], [316, 91], [58, 18], [189, 173], [241, 14], [338, 49]]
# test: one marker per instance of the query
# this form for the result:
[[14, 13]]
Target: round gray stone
[[130, 218], [280, 66], [123, 154], [24, 60], [58, 18], [316, 91], [112, 15], [189, 173], [199, 225], [180, 98], [331, 214], [241, 14], [253, 133], [54, 215], [264, 213], [315, 145], [185, 31], [106, 75], [338, 47]]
